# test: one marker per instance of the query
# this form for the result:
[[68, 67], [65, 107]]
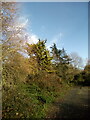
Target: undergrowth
[[31, 99]]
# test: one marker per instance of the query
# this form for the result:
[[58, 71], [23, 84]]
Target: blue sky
[[65, 23]]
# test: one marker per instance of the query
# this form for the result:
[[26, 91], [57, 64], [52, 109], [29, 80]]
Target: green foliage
[[83, 77], [39, 53], [62, 64], [78, 78], [27, 100], [86, 75], [60, 56], [16, 104]]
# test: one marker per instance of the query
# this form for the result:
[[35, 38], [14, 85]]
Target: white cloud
[[32, 39], [55, 40]]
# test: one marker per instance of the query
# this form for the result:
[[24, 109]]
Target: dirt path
[[75, 104]]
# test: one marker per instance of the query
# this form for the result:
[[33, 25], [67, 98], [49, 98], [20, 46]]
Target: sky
[[63, 23]]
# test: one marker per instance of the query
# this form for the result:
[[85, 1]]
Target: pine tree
[[40, 54], [60, 56], [61, 61]]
